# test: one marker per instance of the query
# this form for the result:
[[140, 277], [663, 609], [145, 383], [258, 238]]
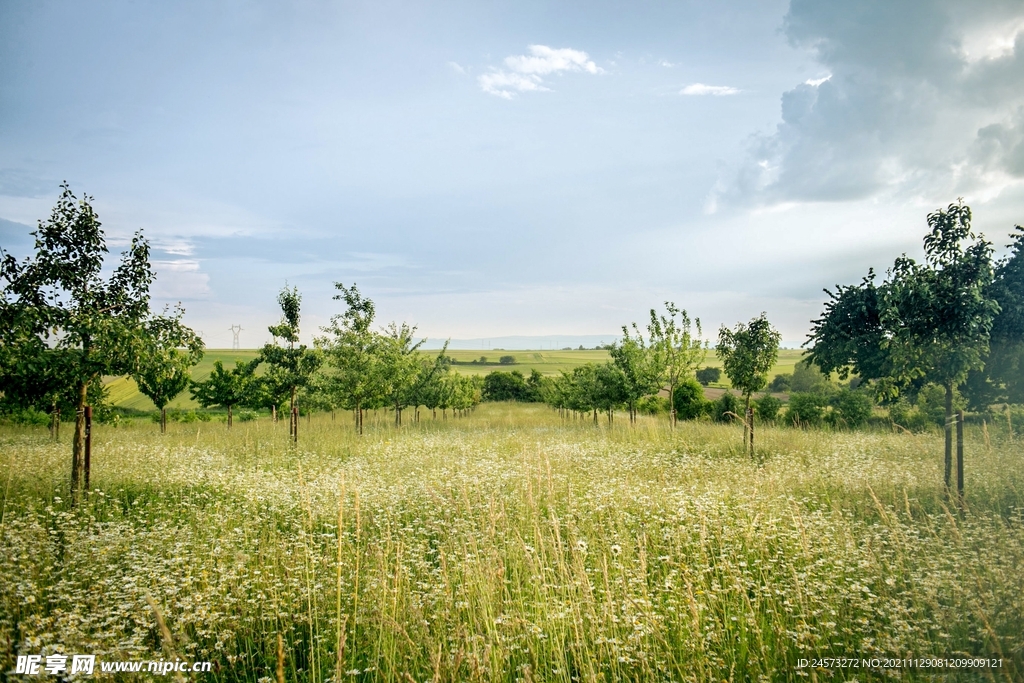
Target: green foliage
[[689, 400], [63, 326], [652, 405], [806, 409], [850, 334], [748, 353], [781, 384], [808, 378], [507, 386], [632, 355], [677, 347], [940, 313], [727, 408], [850, 408], [225, 388], [931, 402], [247, 416], [507, 360], [169, 353], [708, 375], [289, 368], [768, 407]]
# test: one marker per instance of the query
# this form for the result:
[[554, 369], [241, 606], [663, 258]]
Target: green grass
[[512, 546], [124, 393]]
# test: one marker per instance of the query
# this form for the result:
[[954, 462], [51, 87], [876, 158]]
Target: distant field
[[124, 392]]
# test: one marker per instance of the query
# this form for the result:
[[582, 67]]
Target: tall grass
[[511, 545]]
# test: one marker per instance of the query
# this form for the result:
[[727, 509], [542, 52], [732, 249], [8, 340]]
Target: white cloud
[[180, 279], [701, 89], [457, 68], [665, 63], [815, 82], [525, 72]]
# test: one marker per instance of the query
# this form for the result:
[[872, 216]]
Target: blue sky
[[519, 168]]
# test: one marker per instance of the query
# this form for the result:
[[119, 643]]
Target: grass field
[[123, 392], [512, 546]]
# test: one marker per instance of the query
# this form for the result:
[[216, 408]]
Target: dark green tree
[[708, 375], [748, 353], [940, 313], [225, 388], [66, 324]]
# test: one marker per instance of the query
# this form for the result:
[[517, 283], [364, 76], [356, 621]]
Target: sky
[[494, 169]]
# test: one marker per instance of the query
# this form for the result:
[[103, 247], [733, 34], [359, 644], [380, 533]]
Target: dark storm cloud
[[914, 96]]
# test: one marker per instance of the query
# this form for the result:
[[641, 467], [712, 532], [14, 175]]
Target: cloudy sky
[[502, 168]]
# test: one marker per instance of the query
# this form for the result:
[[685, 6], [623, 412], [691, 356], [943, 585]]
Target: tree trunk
[[595, 417], [294, 423], [78, 446], [163, 420], [672, 405], [229, 416], [949, 437], [88, 444], [750, 421], [960, 455], [746, 425], [398, 415], [273, 412]]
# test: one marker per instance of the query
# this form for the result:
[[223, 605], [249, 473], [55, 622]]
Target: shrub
[[652, 405], [507, 360], [849, 408], [708, 376], [909, 417], [781, 384], [247, 416], [931, 401], [806, 409], [768, 407], [507, 386], [726, 403], [690, 401]]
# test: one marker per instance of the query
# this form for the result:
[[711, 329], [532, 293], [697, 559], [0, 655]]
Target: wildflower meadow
[[513, 545]]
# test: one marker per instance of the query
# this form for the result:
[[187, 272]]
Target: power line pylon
[[235, 329]]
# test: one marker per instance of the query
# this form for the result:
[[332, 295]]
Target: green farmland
[[125, 394]]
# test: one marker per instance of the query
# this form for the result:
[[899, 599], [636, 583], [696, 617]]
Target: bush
[[708, 376], [781, 384], [652, 405], [690, 401], [726, 403], [28, 416], [768, 407], [909, 417], [507, 386], [931, 401], [507, 360], [247, 416], [806, 409], [849, 408]]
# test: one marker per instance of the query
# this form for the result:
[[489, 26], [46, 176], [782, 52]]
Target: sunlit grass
[[512, 545]]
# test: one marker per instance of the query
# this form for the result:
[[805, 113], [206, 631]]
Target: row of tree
[[352, 366]]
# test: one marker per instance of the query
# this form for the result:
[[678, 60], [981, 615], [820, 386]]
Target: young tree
[[678, 348], [633, 356], [59, 313], [748, 353], [351, 349], [168, 356], [399, 366], [940, 313], [225, 388], [291, 367]]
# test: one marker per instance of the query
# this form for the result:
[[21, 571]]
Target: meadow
[[512, 545]]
